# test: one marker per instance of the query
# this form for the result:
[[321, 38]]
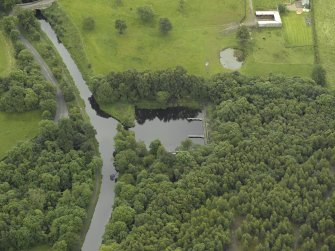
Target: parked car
[[112, 177]]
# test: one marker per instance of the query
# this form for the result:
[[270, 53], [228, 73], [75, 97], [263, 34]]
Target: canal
[[169, 125]]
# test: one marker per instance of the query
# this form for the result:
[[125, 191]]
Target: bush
[[319, 75], [120, 25], [164, 25], [146, 14], [243, 34], [282, 8], [88, 24]]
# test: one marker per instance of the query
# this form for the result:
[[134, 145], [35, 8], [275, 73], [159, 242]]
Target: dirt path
[[43, 4], [251, 17], [250, 20]]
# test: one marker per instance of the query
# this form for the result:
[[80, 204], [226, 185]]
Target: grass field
[[196, 37], [325, 30], [122, 111], [296, 31], [268, 4], [268, 54], [17, 127], [6, 55]]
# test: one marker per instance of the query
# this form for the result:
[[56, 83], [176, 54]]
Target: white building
[[268, 19]]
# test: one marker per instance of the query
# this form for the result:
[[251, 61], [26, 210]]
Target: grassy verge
[[268, 4], [197, 36], [324, 14], [17, 127], [124, 112], [69, 35], [7, 61]]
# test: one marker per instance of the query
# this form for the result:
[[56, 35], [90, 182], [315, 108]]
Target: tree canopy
[[265, 181]]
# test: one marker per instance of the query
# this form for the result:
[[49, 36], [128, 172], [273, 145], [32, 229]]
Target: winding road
[[62, 111]]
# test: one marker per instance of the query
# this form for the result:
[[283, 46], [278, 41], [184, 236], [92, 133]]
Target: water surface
[[229, 60], [170, 126]]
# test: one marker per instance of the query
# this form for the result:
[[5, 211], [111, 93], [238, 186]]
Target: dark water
[[170, 126]]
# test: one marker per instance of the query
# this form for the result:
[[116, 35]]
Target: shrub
[[243, 34], [319, 75], [164, 25], [120, 25], [88, 24], [146, 13], [282, 8]]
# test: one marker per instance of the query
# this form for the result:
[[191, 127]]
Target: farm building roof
[[276, 22]]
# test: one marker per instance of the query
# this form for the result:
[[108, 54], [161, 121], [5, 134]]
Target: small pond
[[170, 126], [229, 58]]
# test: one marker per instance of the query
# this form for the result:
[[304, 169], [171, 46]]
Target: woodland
[[265, 181]]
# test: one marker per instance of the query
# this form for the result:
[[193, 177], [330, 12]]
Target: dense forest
[[46, 183], [264, 182], [166, 86], [25, 89]]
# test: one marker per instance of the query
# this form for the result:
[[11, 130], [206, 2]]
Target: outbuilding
[[268, 19]]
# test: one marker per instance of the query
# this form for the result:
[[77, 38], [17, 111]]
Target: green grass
[[7, 61], [268, 4], [325, 30], [17, 127], [296, 31], [197, 34], [122, 111], [268, 54]]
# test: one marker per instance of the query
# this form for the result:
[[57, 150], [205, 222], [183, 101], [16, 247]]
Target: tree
[[146, 14], [243, 34], [27, 20], [7, 4], [165, 25], [121, 26], [123, 214], [9, 23], [319, 75], [88, 23]]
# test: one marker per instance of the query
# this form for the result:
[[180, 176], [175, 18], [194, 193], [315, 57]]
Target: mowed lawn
[[269, 54], [6, 55], [325, 30], [197, 36], [17, 127], [296, 31]]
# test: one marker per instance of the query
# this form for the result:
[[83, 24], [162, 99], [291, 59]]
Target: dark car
[[112, 177]]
